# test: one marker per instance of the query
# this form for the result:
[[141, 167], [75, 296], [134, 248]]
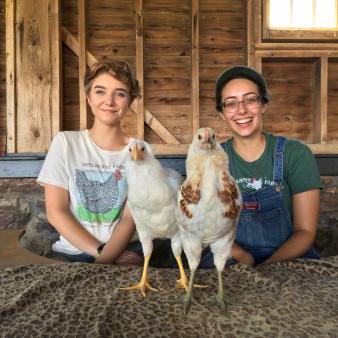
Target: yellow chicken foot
[[188, 296], [222, 304], [143, 284], [182, 283]]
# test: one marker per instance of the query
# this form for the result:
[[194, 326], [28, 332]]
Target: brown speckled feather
[[190, 195], [228, 196]]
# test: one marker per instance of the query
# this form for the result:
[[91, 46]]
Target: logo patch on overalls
[[251, 206]]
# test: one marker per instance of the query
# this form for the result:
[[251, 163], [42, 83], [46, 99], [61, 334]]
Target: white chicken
[[152, 200], [209, 203]]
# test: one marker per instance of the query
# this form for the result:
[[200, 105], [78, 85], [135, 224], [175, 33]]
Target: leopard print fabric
[[286, 299]]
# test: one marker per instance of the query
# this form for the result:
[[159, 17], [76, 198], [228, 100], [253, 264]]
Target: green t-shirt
[[300, 171]]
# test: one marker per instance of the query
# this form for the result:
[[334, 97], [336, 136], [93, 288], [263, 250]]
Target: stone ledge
[[22, 207]]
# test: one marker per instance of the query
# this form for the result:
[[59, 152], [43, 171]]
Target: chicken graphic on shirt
[[255, 184], [97, 196]]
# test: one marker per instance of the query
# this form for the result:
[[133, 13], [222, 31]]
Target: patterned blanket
[[287, 299]]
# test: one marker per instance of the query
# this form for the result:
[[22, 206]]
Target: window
[[300, 14], [300, 19]]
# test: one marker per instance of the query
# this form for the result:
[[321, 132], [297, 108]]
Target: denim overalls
[[265, 223]]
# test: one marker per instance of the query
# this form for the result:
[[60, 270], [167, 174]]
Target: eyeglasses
[[250, 102]]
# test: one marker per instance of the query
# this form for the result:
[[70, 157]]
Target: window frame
[[294, 33]]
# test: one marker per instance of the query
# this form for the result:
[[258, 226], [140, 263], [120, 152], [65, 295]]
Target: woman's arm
[[305, 217], [121, 236], [242, 255], [59, 215]]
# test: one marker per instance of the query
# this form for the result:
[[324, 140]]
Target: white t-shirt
[[95, 179]]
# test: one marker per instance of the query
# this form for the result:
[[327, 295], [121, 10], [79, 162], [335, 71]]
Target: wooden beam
[[250, 33], [160, 130], [295, 46], [258, 64], [265, 20], [73, 44], [195, 66], [296, 53], [150, 119], [322, 149], [139, 68], [33, 76], [54, 9], [170, 149], [321, 98], [258, 20], [10, 76], [84, 119], [156, 126]]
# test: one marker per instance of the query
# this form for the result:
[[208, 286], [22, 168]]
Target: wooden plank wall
[[3, 119], [167, 46], [34, 75], [111, 35], [332, 123], [290, 111], [171, 44], [167, 64], [222, 44]]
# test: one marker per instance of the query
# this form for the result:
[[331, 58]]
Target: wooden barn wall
[[181, 61], [3, 119], [167, 66], [167, 57], [290, 111], [222, 44], [332, 122], [70, 70]]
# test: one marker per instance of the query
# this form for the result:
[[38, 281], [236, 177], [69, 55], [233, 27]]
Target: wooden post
[[56, 57], [139, 68], [250, 33], [195, 66], [258, 63], [258, 20], [320, 105], [10, 76], [34, 73], [84, 119]]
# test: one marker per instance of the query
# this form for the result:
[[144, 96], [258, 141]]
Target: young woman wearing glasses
[[278, 177]]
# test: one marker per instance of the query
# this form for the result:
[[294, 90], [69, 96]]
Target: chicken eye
[[213, 136], [142, 148], [199, 137], [130, 149]]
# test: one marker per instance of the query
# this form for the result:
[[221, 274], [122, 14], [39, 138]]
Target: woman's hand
[[129, 258], [246, 258], [242, 255], [121, 236]]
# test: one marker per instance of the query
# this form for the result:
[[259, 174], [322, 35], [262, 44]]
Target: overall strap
[[226, 147], [278, 161]]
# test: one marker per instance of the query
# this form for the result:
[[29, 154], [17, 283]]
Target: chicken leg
[[188, 296], [222, 304], [182, 283], [143, 284]]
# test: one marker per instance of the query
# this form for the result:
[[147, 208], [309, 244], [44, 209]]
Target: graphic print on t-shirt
[[254, 184], [99, 195]]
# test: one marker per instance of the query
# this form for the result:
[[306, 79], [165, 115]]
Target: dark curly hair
[[120, 70]]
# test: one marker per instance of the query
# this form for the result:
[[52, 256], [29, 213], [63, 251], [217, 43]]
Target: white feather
[[152, 193]]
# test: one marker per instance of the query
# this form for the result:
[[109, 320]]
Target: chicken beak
[[136, 154], [208, 139]]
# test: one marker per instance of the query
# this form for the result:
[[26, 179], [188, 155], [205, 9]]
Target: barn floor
[[12, 254]]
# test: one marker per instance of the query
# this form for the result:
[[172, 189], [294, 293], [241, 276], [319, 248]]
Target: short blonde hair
[[120, 70]]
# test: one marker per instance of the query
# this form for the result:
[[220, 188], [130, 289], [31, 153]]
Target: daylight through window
[[300, 14]]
